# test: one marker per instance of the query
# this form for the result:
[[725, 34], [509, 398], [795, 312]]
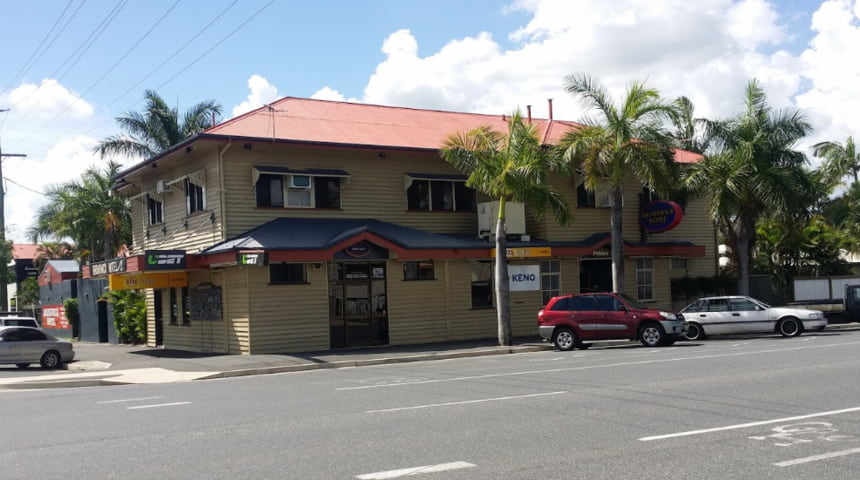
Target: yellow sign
[[136, 281], [525, 252]]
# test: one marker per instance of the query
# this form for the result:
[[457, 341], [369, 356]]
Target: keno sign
[[524, 277], [660, 215]]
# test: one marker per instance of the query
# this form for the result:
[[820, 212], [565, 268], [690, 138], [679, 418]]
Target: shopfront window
[[482, 285]]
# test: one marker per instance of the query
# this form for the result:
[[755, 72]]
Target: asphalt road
[[735, 408]]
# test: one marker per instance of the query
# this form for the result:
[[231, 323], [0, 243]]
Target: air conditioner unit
[[488, 215], [161, 186], [300, 181]]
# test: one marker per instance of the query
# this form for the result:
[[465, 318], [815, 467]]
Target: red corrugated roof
[[322, 121], [24, 251]]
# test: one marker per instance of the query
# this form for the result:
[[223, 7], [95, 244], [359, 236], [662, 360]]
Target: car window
[[11, 335], [32, 335], [697, 306], [563, 303], [718, 305], [586, 303], [604, 303], [742, 305], [20, 322]]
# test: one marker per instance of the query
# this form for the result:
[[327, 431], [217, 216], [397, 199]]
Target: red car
[[569, 321]]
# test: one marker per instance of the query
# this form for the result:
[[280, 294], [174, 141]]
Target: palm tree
[[687, 133], [98, 223], [623, 139], [157, 128], [839, 160], [508, 167], [754, 172]]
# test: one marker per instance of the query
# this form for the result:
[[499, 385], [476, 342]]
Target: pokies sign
[[660, 215]]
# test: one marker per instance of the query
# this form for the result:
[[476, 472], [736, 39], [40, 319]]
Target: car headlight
[[815, 315], [668, 316]]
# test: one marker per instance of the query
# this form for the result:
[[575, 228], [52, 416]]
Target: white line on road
[[593, 367], [747, 425], [104, 402], [404, 472], [815, 458], [465, 402], [158, 405]]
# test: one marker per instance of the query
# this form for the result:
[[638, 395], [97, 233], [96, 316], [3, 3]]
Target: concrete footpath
[[100, 364]]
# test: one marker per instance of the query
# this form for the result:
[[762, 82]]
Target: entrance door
[[358, 307], [595, 275]]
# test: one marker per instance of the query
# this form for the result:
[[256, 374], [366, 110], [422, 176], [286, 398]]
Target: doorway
[[595, 275], [358, 306]]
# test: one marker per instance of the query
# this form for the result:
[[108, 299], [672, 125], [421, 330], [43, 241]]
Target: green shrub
[[73, 314], [129, 315]]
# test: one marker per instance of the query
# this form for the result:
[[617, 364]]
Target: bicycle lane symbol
[[805, 432]]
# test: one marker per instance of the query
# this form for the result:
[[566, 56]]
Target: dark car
[[569, 321], [25, 345]]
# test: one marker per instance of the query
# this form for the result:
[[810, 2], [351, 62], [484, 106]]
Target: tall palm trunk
[[746, 229], [503, 288], [616, 239]]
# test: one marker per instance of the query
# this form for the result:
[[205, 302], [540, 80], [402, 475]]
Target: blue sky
[[64, 85]]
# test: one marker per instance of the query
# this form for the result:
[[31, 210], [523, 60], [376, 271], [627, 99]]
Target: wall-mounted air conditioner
[[488, 215], [300, 181], [161, 186]]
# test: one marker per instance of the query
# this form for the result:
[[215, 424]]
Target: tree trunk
[[503, 289], [744, 255], [617, 240]]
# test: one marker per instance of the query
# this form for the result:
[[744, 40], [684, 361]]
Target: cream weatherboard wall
[[375, 188]]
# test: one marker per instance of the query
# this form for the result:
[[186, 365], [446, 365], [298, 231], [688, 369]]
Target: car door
[[747, 317], [587, 320], [718, 318], [10, 346], [617, 320]]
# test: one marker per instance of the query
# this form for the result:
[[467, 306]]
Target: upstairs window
[[154, 209], [588, 198], [309, 188], [439, 192], [195, 197]]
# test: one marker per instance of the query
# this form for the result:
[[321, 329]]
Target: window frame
[[480, 282], [645, 278], [413, 271], [547, 273], [154, 209], [284, 185], [435, 190], [195, 197]]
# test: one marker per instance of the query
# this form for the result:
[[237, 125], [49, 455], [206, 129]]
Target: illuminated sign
[[525, 252], [252, 258], [660, 215], [138, 281]]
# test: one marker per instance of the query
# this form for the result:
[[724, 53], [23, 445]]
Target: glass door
[[358, 308]]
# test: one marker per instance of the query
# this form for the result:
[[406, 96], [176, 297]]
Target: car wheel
[[50, 360], [788, 327], [652, 335], [694, 332], [22, 365], [564, 339]]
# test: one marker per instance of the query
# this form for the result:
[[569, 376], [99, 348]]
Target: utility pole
[[4, 268]]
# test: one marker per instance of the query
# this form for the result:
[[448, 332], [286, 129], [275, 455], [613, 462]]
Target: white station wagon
[[736, 314]]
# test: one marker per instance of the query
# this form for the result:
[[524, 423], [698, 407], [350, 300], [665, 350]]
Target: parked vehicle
[[569, 321], [16, 321], [841, 302], [738, 314], [25, 345]]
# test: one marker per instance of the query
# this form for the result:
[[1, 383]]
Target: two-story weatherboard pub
[[309, 225]]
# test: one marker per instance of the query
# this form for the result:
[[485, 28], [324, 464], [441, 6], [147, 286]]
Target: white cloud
[[28, 179], [49, 99], [262, 92], [328, 93]]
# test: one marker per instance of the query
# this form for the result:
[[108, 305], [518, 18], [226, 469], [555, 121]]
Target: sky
[[68, 68]]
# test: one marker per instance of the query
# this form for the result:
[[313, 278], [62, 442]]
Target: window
[[588, 198], [174, 308], [419, 270], [195, 197], [550, 283], [287, 273], [155, 210], [742, 305], [440, 195], [302, 191], [645, 278], [718, 305], [679, 263], [186, 307], [482, 285]]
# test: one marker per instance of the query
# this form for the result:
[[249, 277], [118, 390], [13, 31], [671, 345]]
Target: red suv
[[569, 320]]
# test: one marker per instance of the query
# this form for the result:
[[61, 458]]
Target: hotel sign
[[525, 252], [116, 265], [660, 216]]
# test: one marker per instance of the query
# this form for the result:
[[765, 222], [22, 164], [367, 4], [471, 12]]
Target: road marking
[[407, 472], [105, 402], [593, 367], [157, 405], [747, 425], [465, 402], [815, 458]]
